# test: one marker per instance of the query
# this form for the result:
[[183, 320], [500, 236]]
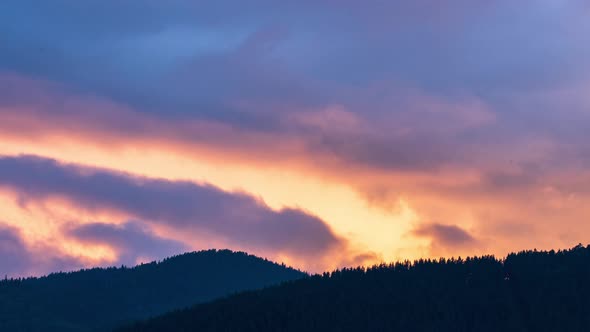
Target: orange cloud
[[371, 189]]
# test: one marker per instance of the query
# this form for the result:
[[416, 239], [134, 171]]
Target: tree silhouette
[[527, 291], [100, 299]]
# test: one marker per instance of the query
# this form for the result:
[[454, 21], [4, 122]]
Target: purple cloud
[[238, 218], [15, 257], [133, 241], [18, 259], [255, 65], [445, 235], [198, 60]]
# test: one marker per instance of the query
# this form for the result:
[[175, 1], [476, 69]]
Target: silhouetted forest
[[528, 291], [100, 299]]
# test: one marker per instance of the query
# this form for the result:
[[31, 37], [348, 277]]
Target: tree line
[[526, 291]]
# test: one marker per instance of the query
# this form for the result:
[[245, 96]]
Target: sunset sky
[[317, 133]]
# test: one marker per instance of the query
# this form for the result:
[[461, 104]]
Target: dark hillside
[[99, 299], [528, 291]]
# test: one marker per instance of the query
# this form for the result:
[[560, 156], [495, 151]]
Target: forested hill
[[100, 299], [528, 291]]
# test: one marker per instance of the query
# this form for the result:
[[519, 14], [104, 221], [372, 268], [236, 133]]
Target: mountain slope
[[99, 299], [528, 291]]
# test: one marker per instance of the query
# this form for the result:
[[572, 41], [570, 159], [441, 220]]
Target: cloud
[[445, 238], [236, 218], [14, 255], [133, 241], [476, 112], [217, 59], [417, 133], [450, 235], [19, 259]]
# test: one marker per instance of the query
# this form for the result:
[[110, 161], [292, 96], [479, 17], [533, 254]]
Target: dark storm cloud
[[200, 208]]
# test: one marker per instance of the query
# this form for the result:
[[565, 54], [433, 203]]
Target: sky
[[317, 133]]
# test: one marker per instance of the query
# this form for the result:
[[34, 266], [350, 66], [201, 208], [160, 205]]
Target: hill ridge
[[100, 299], [526, 291]]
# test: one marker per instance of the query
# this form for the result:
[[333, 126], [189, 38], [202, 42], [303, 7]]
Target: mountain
[[528, 291], [100, 299]]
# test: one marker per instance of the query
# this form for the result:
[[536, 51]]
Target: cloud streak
[[235, 218], [444, 237], [20, 259], [133, 241]]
